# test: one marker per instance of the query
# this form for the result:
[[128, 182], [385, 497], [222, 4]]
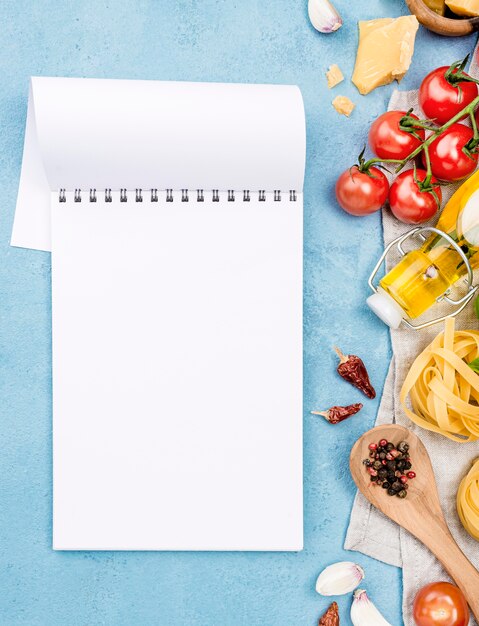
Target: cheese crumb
[[334, 76], [343, 105]]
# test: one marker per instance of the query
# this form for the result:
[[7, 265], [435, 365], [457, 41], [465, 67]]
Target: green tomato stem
[[371, 162], [474, 126], [468, 110], [437, 132], [427, 180]]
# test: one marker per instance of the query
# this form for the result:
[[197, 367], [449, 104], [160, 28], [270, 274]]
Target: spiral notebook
[[173, 212]]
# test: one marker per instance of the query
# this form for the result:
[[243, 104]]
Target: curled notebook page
[[124, 134]]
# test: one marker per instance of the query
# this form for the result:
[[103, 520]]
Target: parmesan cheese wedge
[[343, 105], [385, 51], [466, 8]]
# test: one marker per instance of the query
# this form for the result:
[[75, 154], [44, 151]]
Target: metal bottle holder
[[459, 304]]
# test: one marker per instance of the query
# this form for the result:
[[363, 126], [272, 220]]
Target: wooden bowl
[[442, 25]]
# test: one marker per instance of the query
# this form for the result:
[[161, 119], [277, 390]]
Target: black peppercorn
[[389, 464]]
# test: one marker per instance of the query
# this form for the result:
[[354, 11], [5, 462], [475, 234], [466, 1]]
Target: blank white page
[[177, 374]]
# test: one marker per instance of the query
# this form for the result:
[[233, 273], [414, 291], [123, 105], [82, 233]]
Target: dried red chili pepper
[[331, 617], [337, 414], [352, 369]]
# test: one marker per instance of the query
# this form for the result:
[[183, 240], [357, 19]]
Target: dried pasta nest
[[443, 390], [468, 501]]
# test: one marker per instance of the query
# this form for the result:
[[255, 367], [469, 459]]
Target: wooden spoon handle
[[461, 570], [466, 576]]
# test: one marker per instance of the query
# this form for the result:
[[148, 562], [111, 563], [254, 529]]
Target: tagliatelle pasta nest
[[442, 388], [468, 501]]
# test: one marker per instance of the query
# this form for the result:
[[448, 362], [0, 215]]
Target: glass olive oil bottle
[[424, 275]]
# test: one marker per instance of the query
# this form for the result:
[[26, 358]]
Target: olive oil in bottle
[[424, 275]]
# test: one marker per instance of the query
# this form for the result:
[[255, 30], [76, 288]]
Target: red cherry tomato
[[441, 97], [440, 604], [361, 193], [408, 203], [448, 160], [388, 141]]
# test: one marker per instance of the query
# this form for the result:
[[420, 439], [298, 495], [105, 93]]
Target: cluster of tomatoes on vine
[[440, 148]]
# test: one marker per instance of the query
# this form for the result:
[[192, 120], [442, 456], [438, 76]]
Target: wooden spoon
[[420, 513], [442, 25]]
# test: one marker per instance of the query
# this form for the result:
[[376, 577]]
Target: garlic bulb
[[324, 16], [364, 613], [339, 578]]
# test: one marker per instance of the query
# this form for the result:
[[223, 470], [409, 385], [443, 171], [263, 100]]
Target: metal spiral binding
[[185, 195]]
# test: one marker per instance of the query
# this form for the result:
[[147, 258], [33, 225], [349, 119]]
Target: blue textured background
[[216, 40]]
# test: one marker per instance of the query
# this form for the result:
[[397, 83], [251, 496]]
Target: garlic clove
[[324, 16], [364, 613], [339, 578]]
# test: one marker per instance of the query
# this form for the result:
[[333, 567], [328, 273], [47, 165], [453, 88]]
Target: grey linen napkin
[[369, 531]]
